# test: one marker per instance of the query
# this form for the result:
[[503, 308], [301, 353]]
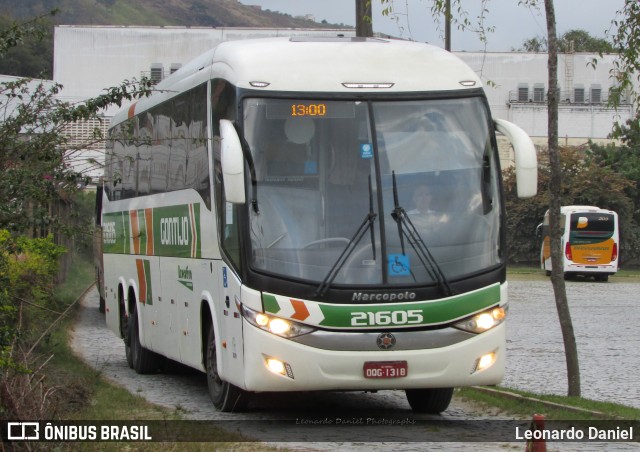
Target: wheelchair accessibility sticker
[[398, 265]]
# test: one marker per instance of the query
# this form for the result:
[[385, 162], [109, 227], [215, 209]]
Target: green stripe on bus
[[432, 312], [413, 314], [175, 231], [115, 232]]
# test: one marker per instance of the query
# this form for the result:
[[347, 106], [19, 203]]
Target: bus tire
[[143, 361], [125, 329], [225, 396], [601, 278], [430, 401]]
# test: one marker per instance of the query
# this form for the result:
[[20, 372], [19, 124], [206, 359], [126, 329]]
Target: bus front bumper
[[309, 368]]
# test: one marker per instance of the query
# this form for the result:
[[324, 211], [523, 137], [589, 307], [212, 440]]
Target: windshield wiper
[[408, 230], [367, 223]]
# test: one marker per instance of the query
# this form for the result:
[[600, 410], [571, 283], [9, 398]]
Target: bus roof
[[573, 209], [325, 64], [336, 65]]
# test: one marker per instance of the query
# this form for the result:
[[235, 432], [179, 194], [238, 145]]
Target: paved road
[[533, 333], [606, 320]]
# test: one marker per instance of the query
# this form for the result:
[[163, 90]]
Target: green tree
[[626, 43], [33, 147], [582, 41], [571, 41], [35, 174], [624, 161], [626, 75], [586, 181], [535, 44], [34, 56]]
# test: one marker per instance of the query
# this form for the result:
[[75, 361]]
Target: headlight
[[275, 325], [483, 321]]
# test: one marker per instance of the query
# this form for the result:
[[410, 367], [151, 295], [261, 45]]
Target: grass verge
[[523, 272], [512, 402]]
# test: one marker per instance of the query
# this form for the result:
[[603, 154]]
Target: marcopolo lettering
[[174, 231], [383, 296]]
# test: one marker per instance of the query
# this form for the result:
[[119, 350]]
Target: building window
[[596, 94], [156, 74], [578, 95], [538, 93], [523, 93]]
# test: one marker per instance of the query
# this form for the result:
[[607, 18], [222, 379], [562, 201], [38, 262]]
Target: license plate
[[385, 369]]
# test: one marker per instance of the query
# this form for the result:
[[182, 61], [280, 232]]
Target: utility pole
[[364, 24], [447, 25]]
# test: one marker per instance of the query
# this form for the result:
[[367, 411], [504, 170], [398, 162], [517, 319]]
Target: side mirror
[[539, 231], [232, 160], [526, 159]]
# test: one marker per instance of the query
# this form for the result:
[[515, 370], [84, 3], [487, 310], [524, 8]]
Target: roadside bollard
[[537, 445]]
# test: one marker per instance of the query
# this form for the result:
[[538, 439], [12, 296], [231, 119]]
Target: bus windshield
[[590, 227], [328, 176]]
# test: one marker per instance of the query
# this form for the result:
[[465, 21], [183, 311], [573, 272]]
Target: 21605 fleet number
[[382, 318]]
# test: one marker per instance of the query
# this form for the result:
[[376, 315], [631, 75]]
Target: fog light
[[275, 366], [279, 367], [485, 361]]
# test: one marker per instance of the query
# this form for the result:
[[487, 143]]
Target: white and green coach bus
[[312, 214]]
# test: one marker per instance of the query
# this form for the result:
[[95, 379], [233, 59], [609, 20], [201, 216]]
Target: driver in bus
[[425, 213]]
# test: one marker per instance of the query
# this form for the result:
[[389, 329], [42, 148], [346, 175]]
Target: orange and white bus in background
[[590, 242]]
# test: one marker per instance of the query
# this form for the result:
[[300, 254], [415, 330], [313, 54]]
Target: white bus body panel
[[316, 369]]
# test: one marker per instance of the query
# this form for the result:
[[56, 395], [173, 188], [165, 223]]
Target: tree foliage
[[626, 68], [26, 48], [459, 16], [34, 151], [35, 174], [571, 41], [624, 161], [582, 41], [587, 180]]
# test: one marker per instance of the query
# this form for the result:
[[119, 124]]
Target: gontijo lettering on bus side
[[161, 231], [405, 315]]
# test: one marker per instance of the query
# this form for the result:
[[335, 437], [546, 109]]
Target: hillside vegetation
[[36, 59]]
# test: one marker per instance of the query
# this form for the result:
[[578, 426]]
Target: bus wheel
[[143, 361], [430, 401], [225, 396], [601, 278]]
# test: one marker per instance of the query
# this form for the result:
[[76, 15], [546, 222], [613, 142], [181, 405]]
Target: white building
[[521, 91], [90, 59]]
